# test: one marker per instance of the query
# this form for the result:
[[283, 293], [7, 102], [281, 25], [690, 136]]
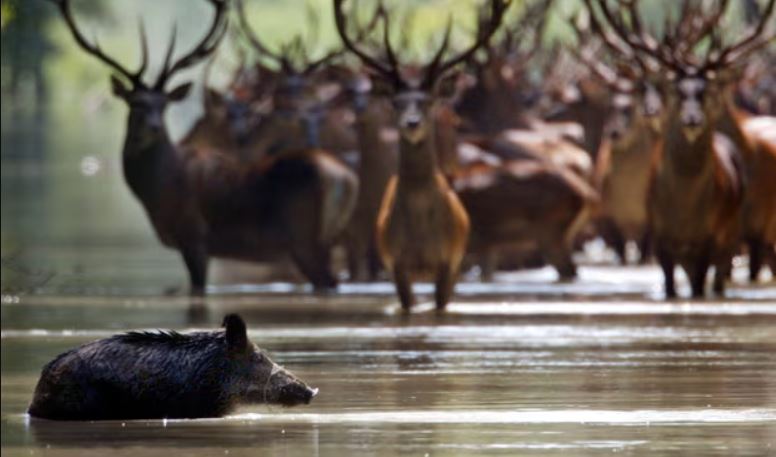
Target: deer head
[[634, 94], [414, 94], [692, 86], [147, 102]]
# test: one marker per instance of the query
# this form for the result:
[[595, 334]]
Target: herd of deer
[[467, 159]]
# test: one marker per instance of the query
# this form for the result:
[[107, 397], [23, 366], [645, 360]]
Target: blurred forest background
[[68, 220]]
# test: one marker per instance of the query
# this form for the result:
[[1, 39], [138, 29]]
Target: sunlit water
[[524, 366]]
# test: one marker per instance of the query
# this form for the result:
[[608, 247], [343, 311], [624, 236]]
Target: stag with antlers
[[205, 203], [631, 132], [422, 229], [696, 185]]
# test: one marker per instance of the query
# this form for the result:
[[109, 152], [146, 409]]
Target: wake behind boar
[[153, 375]]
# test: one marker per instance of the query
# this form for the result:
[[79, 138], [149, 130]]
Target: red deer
[[525, 204], [301, 116], [205, 203], [696, 184], [495, 111], [378, 162], [625, 153], [422, 228], [228, 123], [622, 169], [755, 137], [500, 94]]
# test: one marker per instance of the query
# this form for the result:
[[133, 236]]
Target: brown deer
[[422, 228], [299, 117], [534, 203], [205, 203], [756, 139], [378, 161], [499, 95], [524, 204], [625, 154], [495, 110], [696, 184]]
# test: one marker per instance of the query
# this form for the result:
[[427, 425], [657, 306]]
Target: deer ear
[[179, 93], [119, 88], [236, 333]]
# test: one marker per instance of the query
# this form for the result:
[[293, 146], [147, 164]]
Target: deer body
[[697, 184], [759, 156], [422, 228], [524, 202], [622, 178], [695, 204], [205, 203], [378, 163]]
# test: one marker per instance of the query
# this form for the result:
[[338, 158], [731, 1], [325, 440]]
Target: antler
[[485, 31], [584, 53], [682, 35], [533, 17], [638, 39], [200, 52], [297, 44], [253, 38], [363, 32], [390, 71], [94, 49], [754, 40]]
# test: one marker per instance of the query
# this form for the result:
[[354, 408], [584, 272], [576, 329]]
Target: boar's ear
[[236, 333]]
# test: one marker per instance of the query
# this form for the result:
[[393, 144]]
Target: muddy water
[[525, 366], [503, 377]]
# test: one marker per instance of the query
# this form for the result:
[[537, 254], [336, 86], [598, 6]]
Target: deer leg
[[356, 258], [720, 276], [756, 249], [613, 237], [488, 262], [618, 244], [314, 263], [403, 287], [645, 247], [666, 262], [769, 257], [196, 260], [560, 257], [312, 257], [443, 288], [698, 276], [373, 262], [723, 271]]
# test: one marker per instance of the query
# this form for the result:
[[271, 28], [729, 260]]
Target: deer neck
[[686, 158], [417, 161], [147, 152]]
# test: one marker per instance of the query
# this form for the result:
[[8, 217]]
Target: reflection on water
[[524, 366], [586, 378]]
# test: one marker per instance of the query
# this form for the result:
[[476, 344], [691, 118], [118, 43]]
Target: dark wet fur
[[165, 374]]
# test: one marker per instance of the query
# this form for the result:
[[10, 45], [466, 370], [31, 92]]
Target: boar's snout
[[288, 390], [296, 393]]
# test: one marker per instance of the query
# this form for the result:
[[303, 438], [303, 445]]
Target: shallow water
[[502, 376], [524, 366]]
